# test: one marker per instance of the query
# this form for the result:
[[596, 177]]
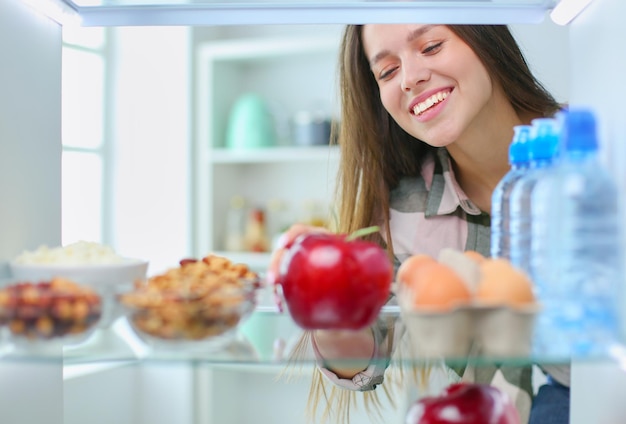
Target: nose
[[414, 72]]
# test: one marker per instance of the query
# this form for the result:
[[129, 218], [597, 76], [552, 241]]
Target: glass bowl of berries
[[55, 311]]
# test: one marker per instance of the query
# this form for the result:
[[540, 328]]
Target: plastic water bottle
[[543, 147], [500, 199], [582, 273]]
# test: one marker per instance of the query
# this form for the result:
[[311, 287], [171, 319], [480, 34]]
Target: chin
[[440, 135]]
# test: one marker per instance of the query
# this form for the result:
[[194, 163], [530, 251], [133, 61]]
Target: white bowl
[[110, 274]]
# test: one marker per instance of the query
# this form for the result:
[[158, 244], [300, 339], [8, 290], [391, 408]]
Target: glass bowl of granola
[[201, 303]]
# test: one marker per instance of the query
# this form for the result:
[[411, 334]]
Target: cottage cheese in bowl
[[83, 261], [79, 253]]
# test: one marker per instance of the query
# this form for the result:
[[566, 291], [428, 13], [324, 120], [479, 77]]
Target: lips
[[430, 101]]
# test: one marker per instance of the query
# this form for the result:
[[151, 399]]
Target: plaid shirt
[[428, 213], [431, 212]]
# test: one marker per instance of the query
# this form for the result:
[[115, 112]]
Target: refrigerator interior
[[30, 174]]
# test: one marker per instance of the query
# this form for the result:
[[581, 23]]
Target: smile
[[421, 107]]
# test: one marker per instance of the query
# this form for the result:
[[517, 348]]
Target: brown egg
[[503, 284], [439, 288], [474, 255], [409, 270]]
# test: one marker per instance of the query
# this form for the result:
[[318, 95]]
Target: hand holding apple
[[285, 241], [464, 403], [345, 352], [332, 281]]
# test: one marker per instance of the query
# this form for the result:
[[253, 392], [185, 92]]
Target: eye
[[432, 48], [387, 73]]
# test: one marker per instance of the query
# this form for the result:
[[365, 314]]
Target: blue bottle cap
[[580, 134], [544, 138], [518, 150]]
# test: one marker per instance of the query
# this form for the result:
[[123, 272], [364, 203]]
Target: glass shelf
[[198, 13], [266, 340]]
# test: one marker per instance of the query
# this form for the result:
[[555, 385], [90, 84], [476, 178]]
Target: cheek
[[387, 99], [477, 78], [480, 91], [391, 100], [481, 77]]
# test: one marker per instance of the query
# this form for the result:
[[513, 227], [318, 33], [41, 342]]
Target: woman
[[427, 117]]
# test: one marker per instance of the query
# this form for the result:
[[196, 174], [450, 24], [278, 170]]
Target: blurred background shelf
[[275, 155], [286, 172]]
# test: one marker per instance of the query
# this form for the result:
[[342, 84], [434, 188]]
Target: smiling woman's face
[[431, 82]]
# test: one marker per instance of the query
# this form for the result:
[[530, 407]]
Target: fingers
[[296, 230], [274, 265], [285, 241]]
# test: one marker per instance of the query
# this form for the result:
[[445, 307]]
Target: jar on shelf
[[278, 219], [236, 222], [251, 123], [256, 239], [311, 128], [314, 213]]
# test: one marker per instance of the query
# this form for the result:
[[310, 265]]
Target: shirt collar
[[444, 195]]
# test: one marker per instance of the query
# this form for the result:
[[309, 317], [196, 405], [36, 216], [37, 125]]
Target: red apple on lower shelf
[[464, 403], [331, 281]]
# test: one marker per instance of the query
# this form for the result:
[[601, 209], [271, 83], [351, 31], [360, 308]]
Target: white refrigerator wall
[[30, 130], [598, 67], [30, 186]]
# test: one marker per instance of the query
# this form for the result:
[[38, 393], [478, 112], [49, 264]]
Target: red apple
[[330, 281], [464, 403]]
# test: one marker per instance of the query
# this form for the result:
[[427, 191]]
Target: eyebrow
[[412, 36]]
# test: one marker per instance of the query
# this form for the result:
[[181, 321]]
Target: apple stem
[[363, 232]]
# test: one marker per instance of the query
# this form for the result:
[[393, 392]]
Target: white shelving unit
[[278, 69]]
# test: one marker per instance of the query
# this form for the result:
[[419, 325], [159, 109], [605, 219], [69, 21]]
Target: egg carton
[[496, 331]]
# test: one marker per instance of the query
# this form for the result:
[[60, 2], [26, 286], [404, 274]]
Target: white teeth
[[429, 102]]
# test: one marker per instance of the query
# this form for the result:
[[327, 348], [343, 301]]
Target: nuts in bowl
[[57, 309], [201, 300]]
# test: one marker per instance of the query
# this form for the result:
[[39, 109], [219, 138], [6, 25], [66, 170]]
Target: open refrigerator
[[30, 188]]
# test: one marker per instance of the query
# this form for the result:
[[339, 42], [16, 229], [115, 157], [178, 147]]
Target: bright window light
[[82, 197], [564, 12]]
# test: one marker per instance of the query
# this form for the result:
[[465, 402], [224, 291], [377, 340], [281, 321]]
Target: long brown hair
[[376, 153]]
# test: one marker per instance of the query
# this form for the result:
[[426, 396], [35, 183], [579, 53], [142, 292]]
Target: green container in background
[[250, 124]]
